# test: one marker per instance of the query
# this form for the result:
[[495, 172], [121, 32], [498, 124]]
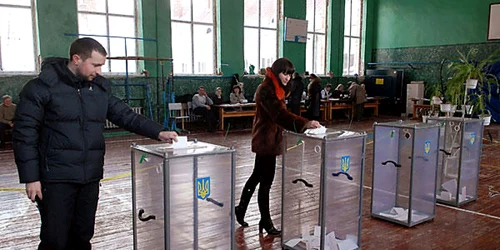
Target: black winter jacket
[[58, 135]]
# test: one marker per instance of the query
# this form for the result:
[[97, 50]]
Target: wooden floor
[[474, 226]]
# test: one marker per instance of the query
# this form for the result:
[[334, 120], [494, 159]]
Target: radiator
[[109, 124]]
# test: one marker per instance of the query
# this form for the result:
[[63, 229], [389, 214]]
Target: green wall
[[426, 32], [230, 36], [54, 19], [410, 23], [335, 41]]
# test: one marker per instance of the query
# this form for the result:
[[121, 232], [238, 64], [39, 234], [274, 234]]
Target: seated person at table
[[325, 93], [338, 92], [202, 106], [236, 96], [7, 111], [217, 97]]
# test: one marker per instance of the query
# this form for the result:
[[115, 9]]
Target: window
[[316, 36], [352, 37], [17, 46], [193, 36], [109, 18], [261, 33]]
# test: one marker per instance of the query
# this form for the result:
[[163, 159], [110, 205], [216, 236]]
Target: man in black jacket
[[59, 144]]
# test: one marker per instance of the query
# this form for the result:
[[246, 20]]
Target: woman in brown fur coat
[[270, 119]]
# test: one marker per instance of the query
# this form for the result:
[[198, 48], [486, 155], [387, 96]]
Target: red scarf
[[280, 92]]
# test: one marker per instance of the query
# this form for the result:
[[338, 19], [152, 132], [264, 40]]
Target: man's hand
[[11, 124], [207, 106], [167, 136], [34, 189], [313, 124]]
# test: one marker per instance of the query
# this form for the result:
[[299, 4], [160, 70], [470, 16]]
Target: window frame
[[350, 37], [314, 33], [36, 56], [215, 41], [108, 40], [259, 28]]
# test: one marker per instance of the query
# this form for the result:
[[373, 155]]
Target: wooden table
[[421, 107], [235, 110], [339, 104]]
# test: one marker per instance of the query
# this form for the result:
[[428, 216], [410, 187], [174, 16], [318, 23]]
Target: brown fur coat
[[272, 117]]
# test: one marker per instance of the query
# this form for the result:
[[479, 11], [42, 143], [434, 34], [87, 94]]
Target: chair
[[192, 116], [177, 113]]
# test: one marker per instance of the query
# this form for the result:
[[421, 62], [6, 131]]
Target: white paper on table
[[293, 242], [351, 237], [445, 195], [315, 242], [316, 131], [347, 244], [398, 210], [317, 231], [181, 142], [417, 217], [331, 241], [450, 186], [305, 231]]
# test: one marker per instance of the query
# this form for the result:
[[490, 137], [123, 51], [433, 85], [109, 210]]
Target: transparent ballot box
[[405, 157], [183, 198], [459, 159], [322, 190]]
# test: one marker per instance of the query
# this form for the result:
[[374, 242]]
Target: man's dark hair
[[282, 65], [328, 86], [84, 47]]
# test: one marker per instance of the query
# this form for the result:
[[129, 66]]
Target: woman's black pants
[[263, 173]]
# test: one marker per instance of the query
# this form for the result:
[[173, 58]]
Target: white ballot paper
[[182, 142], [316, 131]]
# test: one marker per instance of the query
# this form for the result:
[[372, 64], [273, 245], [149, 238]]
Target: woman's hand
[[313, 124]]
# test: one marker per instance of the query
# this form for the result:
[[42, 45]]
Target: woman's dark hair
[[282, 65], [236, 87], [313, 76]]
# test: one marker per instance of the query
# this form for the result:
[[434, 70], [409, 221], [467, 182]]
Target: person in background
[[7, 111], [270, 119], [338, 92], [59, 143], [296, 91], [202, 106], [236, 96], [364, 88], [217, 97], [325, 93], [314, 98], [358, 96]]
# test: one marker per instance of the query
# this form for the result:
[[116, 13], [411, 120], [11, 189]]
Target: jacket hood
[[55, 68]]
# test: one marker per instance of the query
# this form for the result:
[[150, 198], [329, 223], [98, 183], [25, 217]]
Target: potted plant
[[471, 83]]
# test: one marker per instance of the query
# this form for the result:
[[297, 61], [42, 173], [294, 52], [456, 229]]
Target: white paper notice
[[181, 142]]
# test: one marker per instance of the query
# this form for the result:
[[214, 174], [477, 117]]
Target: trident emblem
[[427, 147], [345, 163], [203, 188]]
